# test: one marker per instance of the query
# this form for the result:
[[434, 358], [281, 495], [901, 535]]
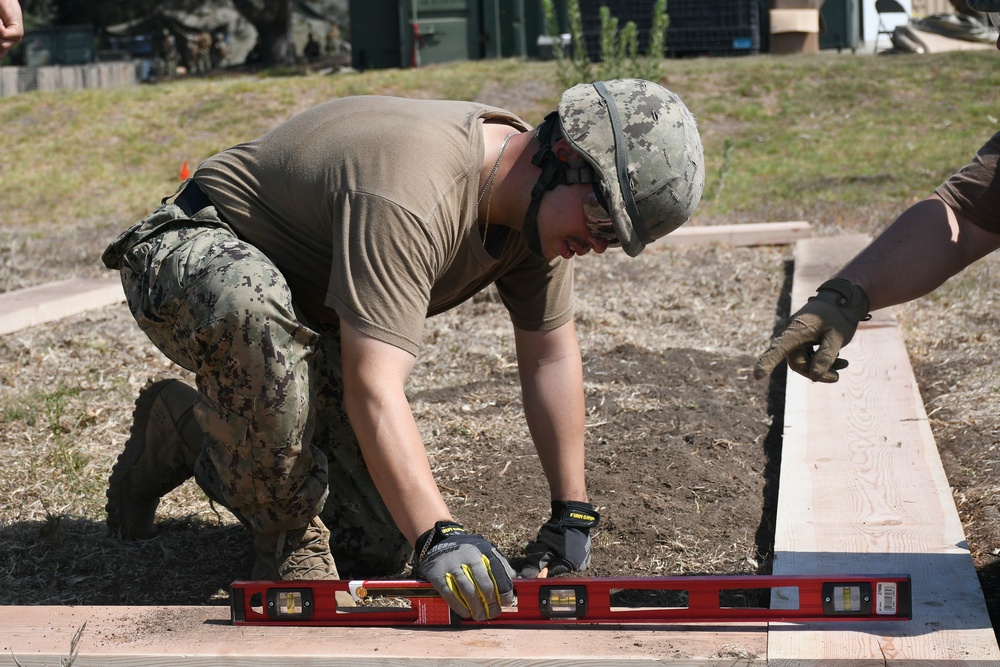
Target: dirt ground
[[680, 439], [683, 446]]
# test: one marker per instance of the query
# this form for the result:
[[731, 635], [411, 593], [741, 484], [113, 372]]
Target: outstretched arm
[[468, 570], [924, 247], [375, 375], [551, 374], [552, 387]]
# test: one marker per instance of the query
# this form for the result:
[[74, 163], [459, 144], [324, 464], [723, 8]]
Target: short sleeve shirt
[[368, 206], [975, 189]]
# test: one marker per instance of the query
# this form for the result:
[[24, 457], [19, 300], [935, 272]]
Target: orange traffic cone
[[185, 172]]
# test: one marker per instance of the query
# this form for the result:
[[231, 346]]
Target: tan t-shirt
[[368, 206], [975, 189]]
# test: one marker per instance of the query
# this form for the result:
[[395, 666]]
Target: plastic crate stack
[[697, 28]]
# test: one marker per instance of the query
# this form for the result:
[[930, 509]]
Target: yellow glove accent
[[475, 584], [496, 588], [456, 591]]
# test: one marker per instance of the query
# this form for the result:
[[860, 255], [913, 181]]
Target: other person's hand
[[11, 25], [563, 542], [829, 321], [468, 570]]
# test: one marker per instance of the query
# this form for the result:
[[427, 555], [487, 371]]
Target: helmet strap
[[554, 172], [621, 164]]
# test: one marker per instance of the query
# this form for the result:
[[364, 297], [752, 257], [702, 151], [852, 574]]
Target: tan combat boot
[[295, 554], [159, 456]]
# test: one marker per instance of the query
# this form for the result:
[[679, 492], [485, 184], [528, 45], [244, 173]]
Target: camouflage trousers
[[278, 446]]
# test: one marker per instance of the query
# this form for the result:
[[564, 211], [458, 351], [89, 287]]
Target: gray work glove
[[467, 570], [828, 320], [563, 542]]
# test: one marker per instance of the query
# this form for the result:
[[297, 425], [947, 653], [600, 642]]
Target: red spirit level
[[682, 599]]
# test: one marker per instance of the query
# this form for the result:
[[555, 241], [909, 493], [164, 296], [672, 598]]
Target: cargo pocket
[[231, 452], [135, 282], [112, 255]]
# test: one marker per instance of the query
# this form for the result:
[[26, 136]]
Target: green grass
[[840, 140]]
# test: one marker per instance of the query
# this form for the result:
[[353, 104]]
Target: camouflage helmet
[[643, 143], [984, 5], [989, 7]]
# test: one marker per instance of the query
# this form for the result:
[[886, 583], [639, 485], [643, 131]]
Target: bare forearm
[[924, 247], [397, 461], [552, 388], [375, 375]]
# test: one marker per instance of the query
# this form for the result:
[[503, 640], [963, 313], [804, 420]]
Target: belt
[[193, 199]]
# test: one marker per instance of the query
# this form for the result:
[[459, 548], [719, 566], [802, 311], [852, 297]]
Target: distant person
[[930, 242], [220, 50], [312, 50], [11, 25], [200, 51], [168, 53], [333, 40], [293, 275]]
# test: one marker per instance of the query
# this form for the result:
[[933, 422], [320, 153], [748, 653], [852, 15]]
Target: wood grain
[[862, 490], [204, 636]]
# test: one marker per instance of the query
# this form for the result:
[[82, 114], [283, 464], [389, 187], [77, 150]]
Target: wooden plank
[[863, 490], [749, 234], [934, 43], [45, 303], [201, 636]]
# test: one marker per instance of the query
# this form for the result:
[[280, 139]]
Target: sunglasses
[[595, 212]]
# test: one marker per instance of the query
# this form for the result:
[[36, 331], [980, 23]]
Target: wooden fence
[[14, 80], [927, 7]]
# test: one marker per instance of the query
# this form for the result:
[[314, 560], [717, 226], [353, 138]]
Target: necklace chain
[[489, 183]]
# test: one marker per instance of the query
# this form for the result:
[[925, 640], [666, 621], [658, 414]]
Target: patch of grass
[[792, 133], [55, 420], [18, 412]]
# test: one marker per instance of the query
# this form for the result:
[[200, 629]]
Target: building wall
[[927, 7]]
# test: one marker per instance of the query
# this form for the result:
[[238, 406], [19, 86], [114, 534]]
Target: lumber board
[[745, 234], [203, 636], [862, 489], [28, 307], [934, 43]]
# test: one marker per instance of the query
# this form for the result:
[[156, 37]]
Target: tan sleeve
[[538, 295], [975, 190], [380, 279]]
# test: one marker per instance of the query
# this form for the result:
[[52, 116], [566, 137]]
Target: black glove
[[563, 543], [467, 570], [828, 321]]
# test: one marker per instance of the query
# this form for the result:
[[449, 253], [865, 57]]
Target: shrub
[[619, 48]]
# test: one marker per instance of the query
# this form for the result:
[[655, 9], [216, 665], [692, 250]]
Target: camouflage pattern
[[984, 5], [271, 395], [662, 151]]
